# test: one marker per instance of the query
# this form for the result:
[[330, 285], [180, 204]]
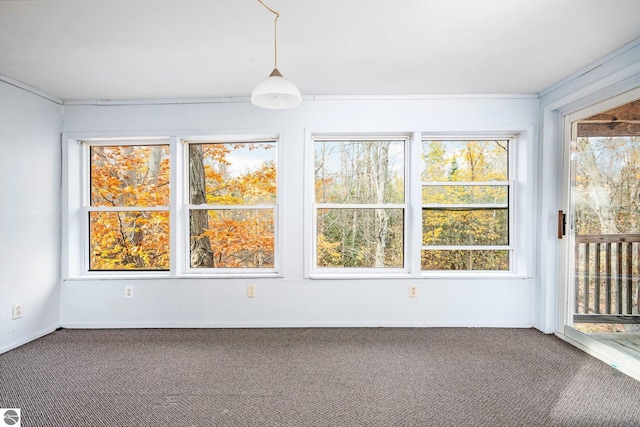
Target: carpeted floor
[[313, 377]]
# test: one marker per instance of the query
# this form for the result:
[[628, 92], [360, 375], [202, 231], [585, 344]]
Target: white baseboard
[[28, 339], [196, 325]]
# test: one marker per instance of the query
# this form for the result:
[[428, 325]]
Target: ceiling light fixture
[[275, 92]]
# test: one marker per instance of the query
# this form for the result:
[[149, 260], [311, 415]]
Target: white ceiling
[[138, 49]]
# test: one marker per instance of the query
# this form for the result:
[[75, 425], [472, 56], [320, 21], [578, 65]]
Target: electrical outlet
[[251, 291], [128, 291], [413, 291], [16, 311]]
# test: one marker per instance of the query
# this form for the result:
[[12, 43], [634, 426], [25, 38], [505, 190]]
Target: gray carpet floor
[[313, 377]]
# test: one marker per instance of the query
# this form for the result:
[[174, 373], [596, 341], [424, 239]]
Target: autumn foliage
[[360, 205], [465, 198], [232, 197], [234, 188], [125, 182]]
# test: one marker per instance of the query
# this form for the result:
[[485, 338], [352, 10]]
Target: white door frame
[[566, 292]]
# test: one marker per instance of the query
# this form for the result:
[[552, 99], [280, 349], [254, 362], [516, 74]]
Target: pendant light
[[275, 92]]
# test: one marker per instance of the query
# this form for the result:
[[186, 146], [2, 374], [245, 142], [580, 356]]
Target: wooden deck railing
[[607, 277]]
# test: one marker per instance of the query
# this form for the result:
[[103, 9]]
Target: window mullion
[[414, 227], [360, 205], [206, 207], [128, 208], [177, 232], [465, 247], [466, 183], [465, 207]]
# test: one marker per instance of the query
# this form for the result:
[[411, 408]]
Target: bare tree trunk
[[201, 253], [598, 187], [154, 163], [380, 180], [135, 235]]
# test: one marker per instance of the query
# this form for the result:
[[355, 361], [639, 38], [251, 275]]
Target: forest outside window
[[359, 204], [232, 203], [209, 206], [466, 202], [176, 207], [128, 213]]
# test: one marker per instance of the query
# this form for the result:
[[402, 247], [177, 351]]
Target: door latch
[[562, 224]]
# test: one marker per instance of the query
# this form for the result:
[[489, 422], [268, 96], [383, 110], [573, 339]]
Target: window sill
[[473, 275], [156, 276], [421, 275]]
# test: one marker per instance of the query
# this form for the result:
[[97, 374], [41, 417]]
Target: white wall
[[614, 74], [293, 300], [29, 214], [30, 219]]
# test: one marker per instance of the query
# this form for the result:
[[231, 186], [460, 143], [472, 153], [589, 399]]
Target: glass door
[[602, 223]]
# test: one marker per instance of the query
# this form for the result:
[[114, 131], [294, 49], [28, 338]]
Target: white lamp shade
[[275, 92]]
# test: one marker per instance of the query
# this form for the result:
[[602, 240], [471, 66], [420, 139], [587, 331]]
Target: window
[[128, 213], [404, 205], [465, 205], [446, 209], [232, 204], [359, 203], [172, 207]]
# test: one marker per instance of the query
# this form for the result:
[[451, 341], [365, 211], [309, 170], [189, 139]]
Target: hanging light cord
[[275, 34]]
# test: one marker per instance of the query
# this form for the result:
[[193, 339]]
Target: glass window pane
[[129, 240], [470, 161], [360, 238], [477, 260], [465, 227], [465, 194], [359, 172], [232, 238], [129, 175], [605, 188], [232, 174]]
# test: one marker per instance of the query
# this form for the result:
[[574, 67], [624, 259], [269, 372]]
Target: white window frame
[[521, 204], [88, 208], [189, 207], [76, 206], [325, 272], [509, 183]]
